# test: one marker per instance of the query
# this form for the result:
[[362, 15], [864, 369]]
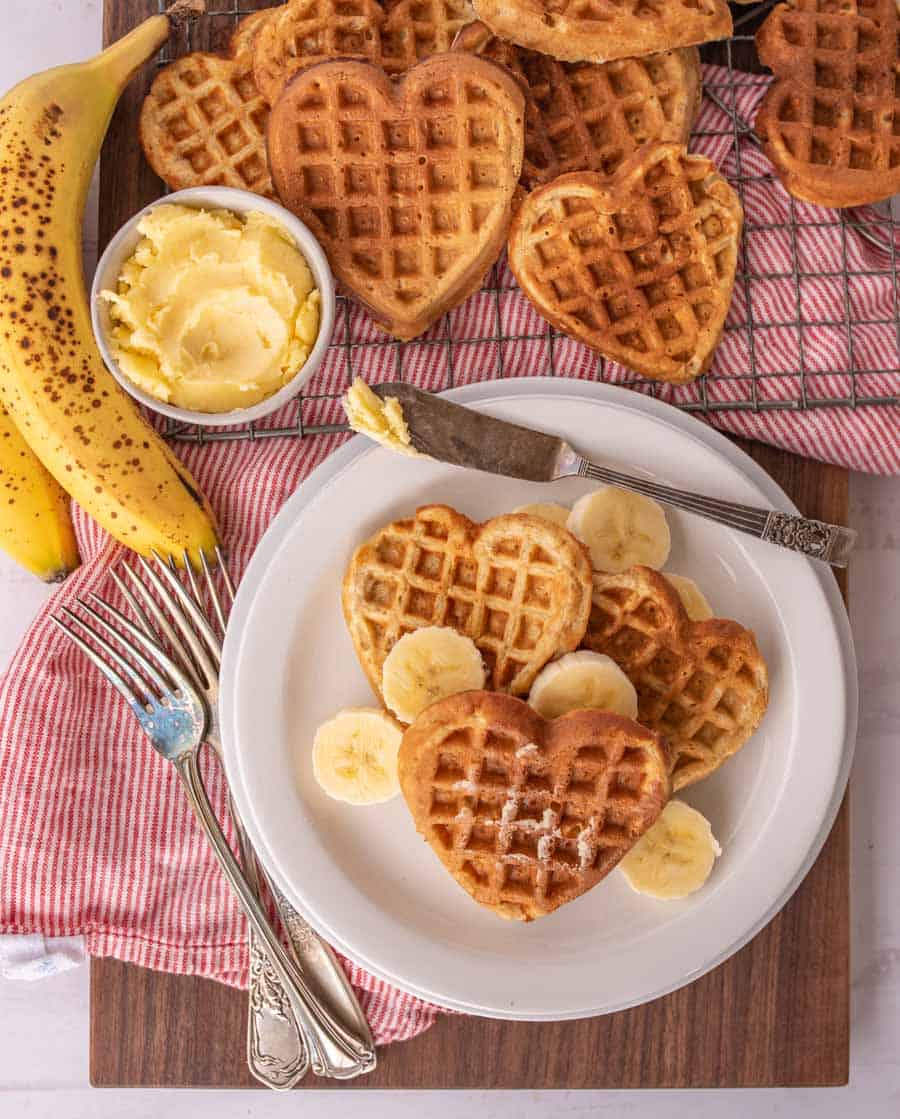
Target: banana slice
[[426, 665], [675, 857], [549, 510], [355, 755], [692, 598], [620, 529], [583, 680]]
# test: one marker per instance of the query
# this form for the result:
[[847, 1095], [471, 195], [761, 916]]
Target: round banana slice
[[675, 857], [692, 598], [620, 529], [426, 665], [583, 680], [355, 755], [549, 510]]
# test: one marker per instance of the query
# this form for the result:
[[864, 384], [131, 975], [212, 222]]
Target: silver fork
[[269, 1039], [174, 716], [277, 1053]]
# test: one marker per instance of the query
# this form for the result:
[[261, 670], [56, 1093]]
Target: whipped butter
[[381, 420], [213, 311]]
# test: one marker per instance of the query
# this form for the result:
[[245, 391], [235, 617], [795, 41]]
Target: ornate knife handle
[[831, 543]]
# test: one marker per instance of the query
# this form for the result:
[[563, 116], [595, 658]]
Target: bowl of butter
[[213, 306]]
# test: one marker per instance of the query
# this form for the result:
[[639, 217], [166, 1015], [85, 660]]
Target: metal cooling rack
[[783, 369]]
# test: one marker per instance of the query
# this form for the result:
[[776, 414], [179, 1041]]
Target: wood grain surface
[[776, 1013]]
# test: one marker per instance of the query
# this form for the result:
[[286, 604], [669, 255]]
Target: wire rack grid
[[814, 321]]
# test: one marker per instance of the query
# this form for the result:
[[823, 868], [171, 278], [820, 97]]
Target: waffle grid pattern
[[208, 122], [523, 827], [654, 283], [699, 686], [587, 116], [449, 197], [445, 357], [423, 572], [842, 75]]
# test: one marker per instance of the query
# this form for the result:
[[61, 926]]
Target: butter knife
[[461, 436]]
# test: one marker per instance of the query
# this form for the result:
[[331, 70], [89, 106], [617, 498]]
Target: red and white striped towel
[[95, 836]]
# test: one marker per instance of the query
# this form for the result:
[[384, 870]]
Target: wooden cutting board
[[777, 1013]]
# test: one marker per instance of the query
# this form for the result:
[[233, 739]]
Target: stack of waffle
[[417, 137]]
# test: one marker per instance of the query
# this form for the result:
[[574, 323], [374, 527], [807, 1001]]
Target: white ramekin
[[121, 247]]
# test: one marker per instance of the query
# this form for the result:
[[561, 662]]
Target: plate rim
[[483, 392]]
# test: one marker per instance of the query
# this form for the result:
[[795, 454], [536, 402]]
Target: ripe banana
[[355, 756], [692, 598], [675, 857], [65, 403], [549, 510], [620, 529], [427, 665], [35, 526], [583, 680]]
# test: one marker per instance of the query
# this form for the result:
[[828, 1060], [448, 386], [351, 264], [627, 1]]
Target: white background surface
[[44, 1037]]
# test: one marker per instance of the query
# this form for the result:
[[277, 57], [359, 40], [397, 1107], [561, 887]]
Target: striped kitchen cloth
[[96, 839]]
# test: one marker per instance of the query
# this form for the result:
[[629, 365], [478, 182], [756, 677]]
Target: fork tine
[[94, 657], [182, 608], [165, 627], [174, 670], [192, 579], [213, 593], [156, 677], [226, 576], [142, 620], [139, 690]]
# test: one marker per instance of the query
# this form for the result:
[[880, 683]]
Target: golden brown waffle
[[703, 685], [203, 122], [831, 122], [407, 185], [519, 586], [302, 32], [307, 31], [528, 814], [590, 116], [601, 30], [638, 265]]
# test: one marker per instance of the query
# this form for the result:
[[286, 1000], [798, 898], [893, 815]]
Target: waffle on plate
[[519, 586], [704, 685], [528, 814]]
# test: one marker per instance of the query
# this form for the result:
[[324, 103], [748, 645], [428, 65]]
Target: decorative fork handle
[[335, 1050], [277, 1053], [830, 543]]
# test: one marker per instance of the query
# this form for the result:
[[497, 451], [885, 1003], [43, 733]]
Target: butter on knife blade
[[461, 436]]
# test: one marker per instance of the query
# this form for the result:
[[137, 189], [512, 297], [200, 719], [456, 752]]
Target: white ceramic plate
[[362, 876]]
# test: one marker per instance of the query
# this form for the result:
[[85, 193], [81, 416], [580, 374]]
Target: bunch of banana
[[66, 405]]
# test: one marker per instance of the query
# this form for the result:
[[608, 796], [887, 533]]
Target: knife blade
[[464, 437]]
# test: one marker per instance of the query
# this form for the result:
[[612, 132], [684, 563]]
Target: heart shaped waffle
[[590, 116], [528, 814], [601, 30], [302, 32], [407, 186], [640, 265], [831, 122], [519, 586], [703, 685], [203, 121]]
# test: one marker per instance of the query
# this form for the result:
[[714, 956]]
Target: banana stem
[[183, 11]]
